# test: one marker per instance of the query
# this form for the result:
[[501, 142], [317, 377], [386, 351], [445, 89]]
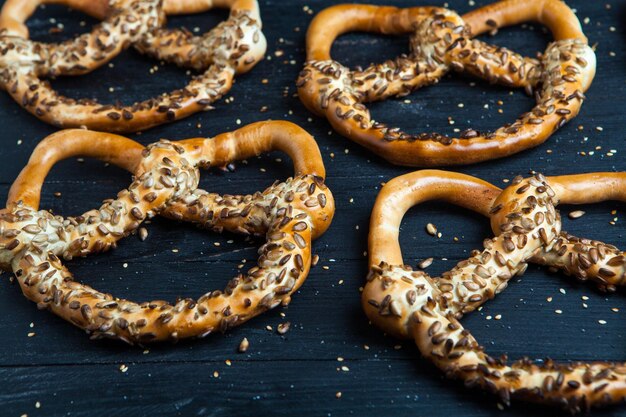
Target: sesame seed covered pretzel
[[412, 304], [440, 41], [233, 47], [290, 214]]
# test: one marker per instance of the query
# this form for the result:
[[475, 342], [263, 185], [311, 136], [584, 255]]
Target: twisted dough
[[233, 47], [441, 41], [409, 303], [290, 214]]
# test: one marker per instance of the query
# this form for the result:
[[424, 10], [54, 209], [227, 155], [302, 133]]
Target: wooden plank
[[297, 373], [274, 388]]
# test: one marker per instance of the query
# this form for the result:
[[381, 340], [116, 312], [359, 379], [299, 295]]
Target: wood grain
[[299, 373]]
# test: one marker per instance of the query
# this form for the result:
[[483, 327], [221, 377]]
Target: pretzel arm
[[64, 112], [471, 282], [237, 42], [588, 259], [255, 139], [573, 386], [244, 214], [334, 21], [233, 213], [393, 78], [554, 14], [406, 191], [496, 64], [66, 144], [403, 75], [85, 52], [105, 316]]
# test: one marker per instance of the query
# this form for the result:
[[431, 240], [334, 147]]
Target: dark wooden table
[[49, 368]]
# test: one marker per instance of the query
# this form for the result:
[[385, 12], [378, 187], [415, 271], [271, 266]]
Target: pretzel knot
[[412, 304], [233, 47], [441, 41], [290, 214]]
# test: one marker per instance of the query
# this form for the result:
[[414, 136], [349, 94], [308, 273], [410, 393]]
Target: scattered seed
[[576, 214], [283, 327], [243, 346], [425, 263]]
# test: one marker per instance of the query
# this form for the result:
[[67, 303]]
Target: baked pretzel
[[440, 41], [233, 47], [411, 304], [290, 214]]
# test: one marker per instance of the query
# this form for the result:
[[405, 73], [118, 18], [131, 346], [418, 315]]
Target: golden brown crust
[[442, 41], [290, 214], [527, 226], [233, 47], [554, 14]]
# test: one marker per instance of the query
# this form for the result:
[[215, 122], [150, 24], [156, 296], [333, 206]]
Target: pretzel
[[411, 304], [440, 41], [290, 214], [233, 47]]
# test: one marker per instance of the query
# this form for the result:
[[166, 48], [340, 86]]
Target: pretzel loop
[[412, 304], [441, 41], [290, 214], [233, 47]]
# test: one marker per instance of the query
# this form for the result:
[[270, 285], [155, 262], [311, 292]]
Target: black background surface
[[59, 371]]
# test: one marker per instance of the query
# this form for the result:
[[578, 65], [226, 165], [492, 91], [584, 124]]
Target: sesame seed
[[576, 214]]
